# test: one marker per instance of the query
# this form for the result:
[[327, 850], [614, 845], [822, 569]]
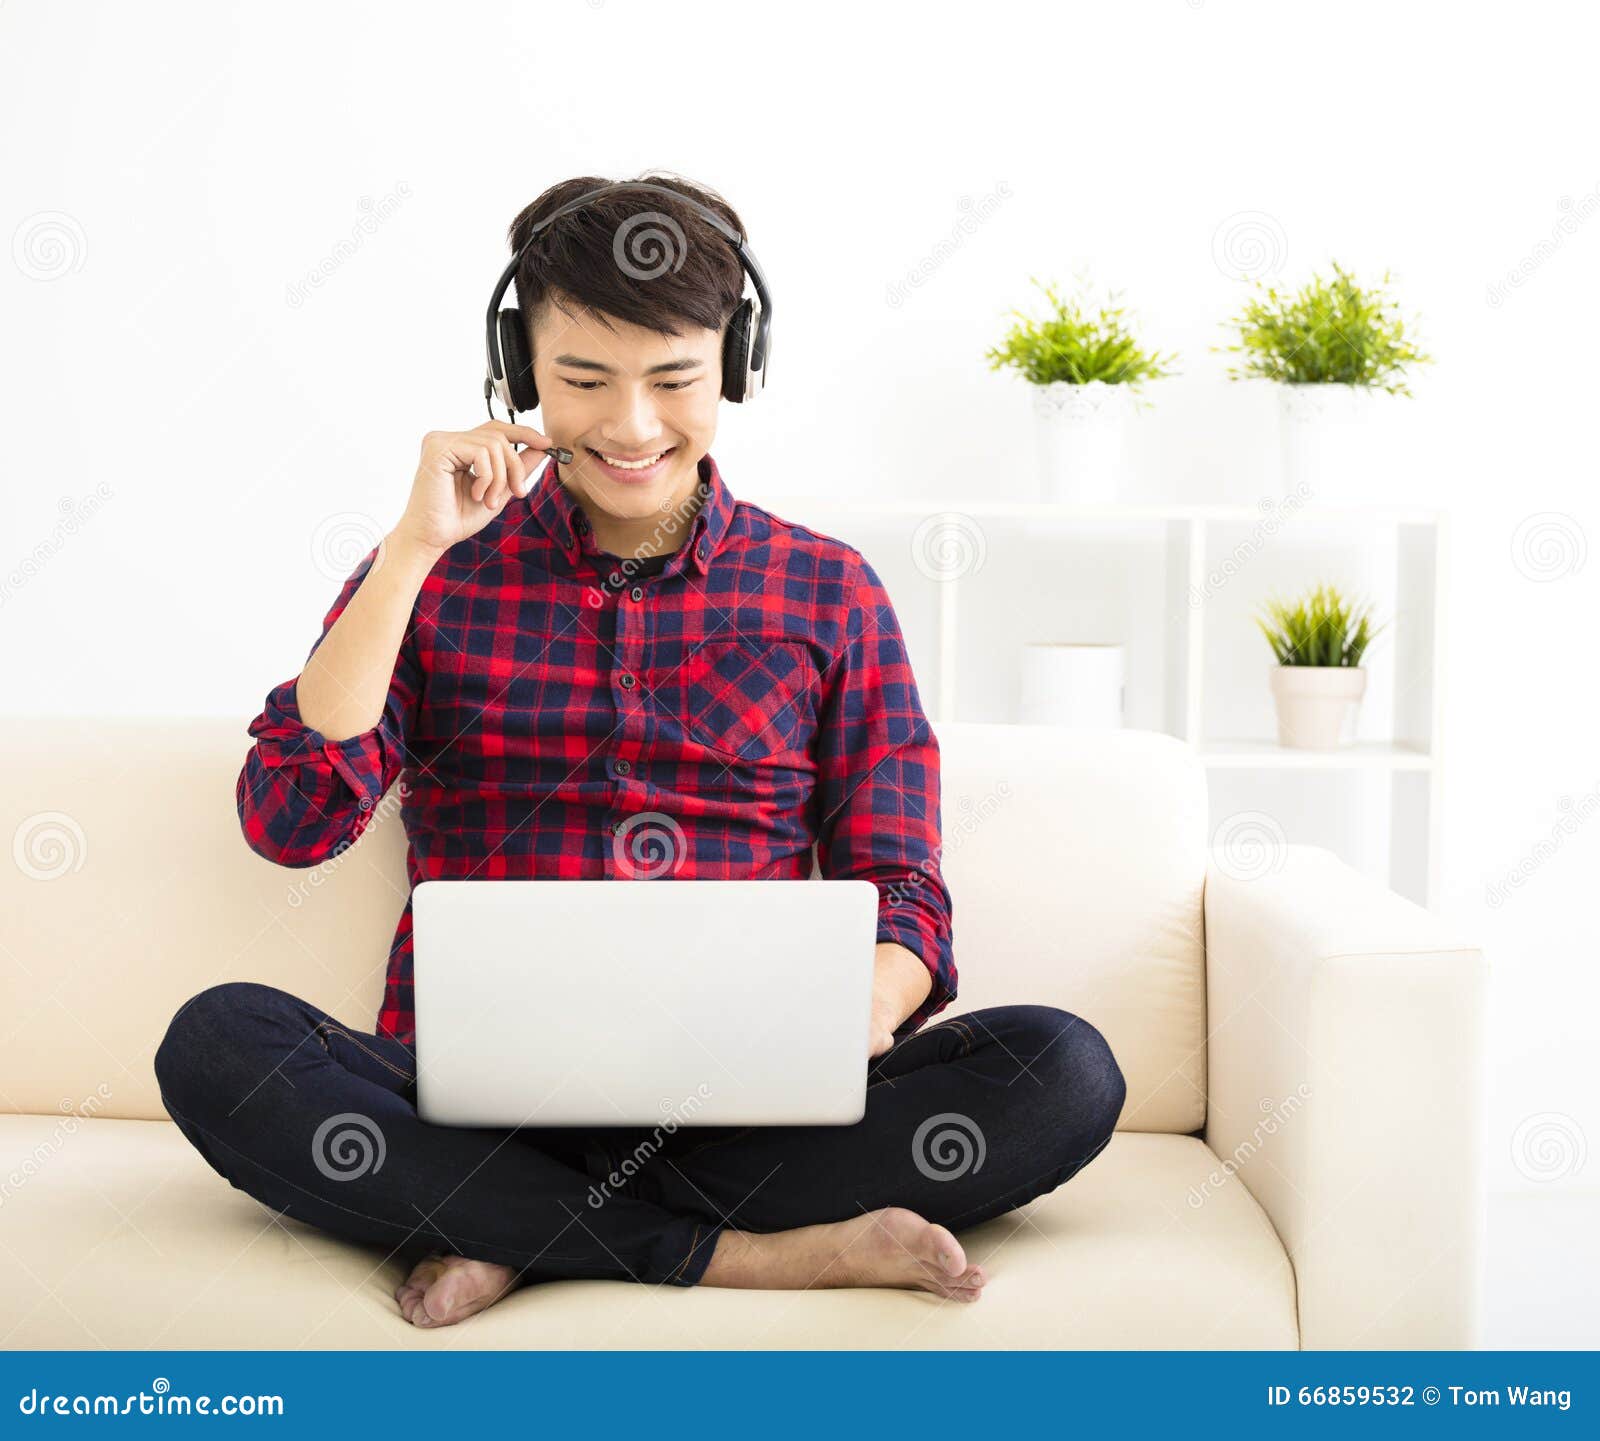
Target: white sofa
[[1297, 1164]]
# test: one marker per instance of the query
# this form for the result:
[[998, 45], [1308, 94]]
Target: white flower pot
[[1313, 701], [1327, 442], [1080, 440]]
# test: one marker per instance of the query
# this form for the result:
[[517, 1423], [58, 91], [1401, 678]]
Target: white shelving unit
[[1176, 585]]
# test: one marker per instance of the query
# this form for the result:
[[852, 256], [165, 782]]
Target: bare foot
[[443, 1289], [891, 1247]]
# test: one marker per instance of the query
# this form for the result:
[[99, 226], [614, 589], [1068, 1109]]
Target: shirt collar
[[563, 519]]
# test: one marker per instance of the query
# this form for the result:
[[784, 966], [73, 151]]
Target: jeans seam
[[707, 1145], [683, 1265], [382, 1060]]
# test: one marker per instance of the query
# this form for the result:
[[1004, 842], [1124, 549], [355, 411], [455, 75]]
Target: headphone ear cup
[[736, 353], [518, 363]]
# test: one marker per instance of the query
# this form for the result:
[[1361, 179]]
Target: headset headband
[[747, 375]]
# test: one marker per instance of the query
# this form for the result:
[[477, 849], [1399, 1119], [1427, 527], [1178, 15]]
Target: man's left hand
[[882, 1029]]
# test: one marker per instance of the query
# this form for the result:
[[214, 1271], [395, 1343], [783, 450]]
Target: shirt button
[[636, 593], [623, 767], [626, 680], [611, 828]]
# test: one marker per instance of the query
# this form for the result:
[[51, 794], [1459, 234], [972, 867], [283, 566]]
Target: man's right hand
[[464, 479]]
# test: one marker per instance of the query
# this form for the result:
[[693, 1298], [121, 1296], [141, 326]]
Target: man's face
[[625, 393]]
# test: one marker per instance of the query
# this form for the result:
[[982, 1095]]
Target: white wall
[[205, 158]]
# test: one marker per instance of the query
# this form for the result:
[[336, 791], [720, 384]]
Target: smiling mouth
[[625, 462]]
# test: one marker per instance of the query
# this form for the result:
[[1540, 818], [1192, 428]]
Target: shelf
[[792, 506], [1269, 755], [1171, 586]]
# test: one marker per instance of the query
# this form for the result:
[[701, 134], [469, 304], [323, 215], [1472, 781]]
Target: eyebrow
[[578, 362]]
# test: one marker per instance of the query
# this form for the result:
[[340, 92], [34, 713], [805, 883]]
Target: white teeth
[[631, 464]]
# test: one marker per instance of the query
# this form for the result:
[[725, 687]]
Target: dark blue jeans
[[965, 1119]]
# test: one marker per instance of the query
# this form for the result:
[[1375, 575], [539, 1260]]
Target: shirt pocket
[[750, 698]]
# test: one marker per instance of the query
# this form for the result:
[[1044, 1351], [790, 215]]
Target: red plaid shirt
[[556, 716]]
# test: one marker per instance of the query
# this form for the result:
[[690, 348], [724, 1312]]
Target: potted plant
[[1330, 348], [1318, 678], [1085, 366]]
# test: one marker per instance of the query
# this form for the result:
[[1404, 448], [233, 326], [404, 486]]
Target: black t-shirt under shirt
[[608, 565]]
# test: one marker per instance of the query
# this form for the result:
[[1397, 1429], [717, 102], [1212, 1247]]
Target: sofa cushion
[[1075, 859], [123, 1237]]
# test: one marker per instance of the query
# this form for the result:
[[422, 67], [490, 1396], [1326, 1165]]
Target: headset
[[746, 344]]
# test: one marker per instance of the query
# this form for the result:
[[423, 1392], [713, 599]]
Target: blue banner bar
[[819, 1395]]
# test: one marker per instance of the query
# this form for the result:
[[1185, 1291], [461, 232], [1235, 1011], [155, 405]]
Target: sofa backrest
[[1075, 860]]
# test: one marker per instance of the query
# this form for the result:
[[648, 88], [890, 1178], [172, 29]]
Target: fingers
[[524, 433], [497, 492]]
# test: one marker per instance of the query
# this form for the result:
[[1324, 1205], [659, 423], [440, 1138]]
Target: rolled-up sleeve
[[878, 783], [302, 798]]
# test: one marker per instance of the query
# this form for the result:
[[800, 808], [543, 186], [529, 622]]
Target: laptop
[[622, 1002]]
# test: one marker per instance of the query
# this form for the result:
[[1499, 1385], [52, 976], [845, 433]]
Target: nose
[[641, 420]]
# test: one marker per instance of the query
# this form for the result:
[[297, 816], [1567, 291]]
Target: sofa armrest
[[1345, 1089]]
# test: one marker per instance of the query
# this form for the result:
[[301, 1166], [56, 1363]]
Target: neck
[[659, 532]]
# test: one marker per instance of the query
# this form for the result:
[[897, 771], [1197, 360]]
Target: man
[[575, 666]]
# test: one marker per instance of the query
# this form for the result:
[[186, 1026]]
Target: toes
[[947, 1252]]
